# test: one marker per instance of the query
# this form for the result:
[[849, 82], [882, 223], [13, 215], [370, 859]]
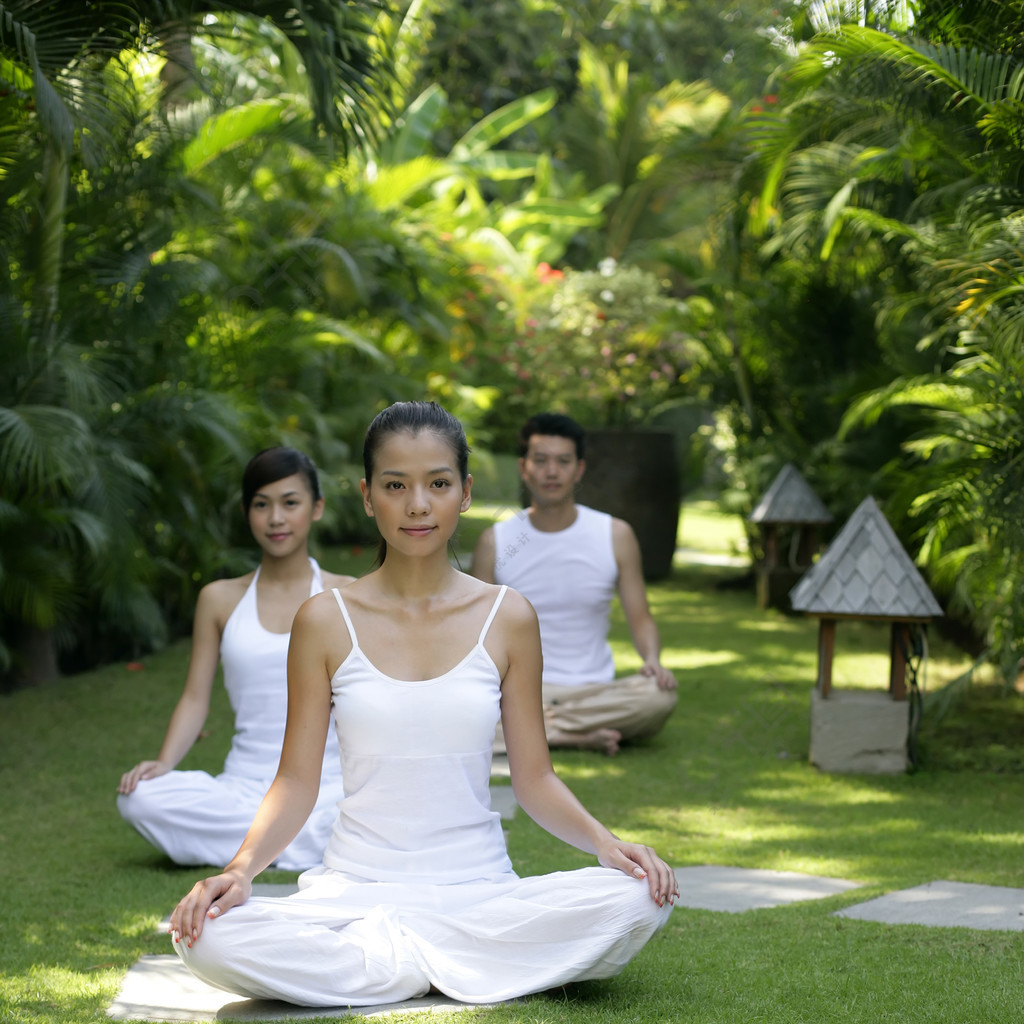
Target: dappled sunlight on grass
[[986, 838], [840, 792], [585, 766], [137, 926], [861, 671], [871, 845], [675, 658], [773, 625], [726, 782], [41, 989], [703, 527]]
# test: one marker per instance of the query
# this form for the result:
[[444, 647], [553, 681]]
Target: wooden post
[[898, 660], [826, 650]]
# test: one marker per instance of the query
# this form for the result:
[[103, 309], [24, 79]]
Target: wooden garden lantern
[[864, 574], [788, 516]]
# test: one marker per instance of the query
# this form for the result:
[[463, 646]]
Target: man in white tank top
[[570, 561]]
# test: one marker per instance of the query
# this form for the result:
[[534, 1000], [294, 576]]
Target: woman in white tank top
[[416, 891], [245, 624]]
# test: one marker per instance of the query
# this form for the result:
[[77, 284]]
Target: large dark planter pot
[[634, 475]]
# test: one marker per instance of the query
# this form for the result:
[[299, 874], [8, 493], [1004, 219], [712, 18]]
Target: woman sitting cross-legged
[[416, 891], [245, 623]]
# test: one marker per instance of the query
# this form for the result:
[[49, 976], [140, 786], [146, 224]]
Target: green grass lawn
[[727, 782]]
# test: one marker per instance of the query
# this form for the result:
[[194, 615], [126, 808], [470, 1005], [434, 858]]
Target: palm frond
[[42, 448]]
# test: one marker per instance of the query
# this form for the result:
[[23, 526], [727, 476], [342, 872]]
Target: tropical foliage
[[113, 441], [894, 166], [795, 227]]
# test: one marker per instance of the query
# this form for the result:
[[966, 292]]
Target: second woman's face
[[416, 494], [281, 514]]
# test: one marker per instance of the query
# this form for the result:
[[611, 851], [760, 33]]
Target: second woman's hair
[[272, 464]]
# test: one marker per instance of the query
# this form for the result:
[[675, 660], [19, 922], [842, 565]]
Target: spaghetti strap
[[490, 617], [348, 621]]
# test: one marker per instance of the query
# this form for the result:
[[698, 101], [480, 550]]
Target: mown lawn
[[727, 782]]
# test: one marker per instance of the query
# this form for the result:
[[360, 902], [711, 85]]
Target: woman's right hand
[[143, 770], [207, 899]]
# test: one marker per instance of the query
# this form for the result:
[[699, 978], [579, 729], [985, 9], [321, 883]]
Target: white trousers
[[344, 943], [198, 818], [634, 705]]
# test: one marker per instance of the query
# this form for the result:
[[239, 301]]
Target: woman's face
[[281, 515], [416, 494]]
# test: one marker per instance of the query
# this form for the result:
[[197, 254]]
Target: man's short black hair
[[552, 424]]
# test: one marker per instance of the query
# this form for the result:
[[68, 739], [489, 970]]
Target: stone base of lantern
[[859, 731]]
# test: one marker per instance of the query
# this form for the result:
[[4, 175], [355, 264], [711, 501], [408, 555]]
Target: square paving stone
[[946, 905]]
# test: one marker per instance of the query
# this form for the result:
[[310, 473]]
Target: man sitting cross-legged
[[569, 561]]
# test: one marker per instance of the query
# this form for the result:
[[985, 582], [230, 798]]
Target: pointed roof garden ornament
[[865, 573], [788, 517], [790, 500]]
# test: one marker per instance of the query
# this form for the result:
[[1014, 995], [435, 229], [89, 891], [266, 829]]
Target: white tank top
[[569, 577], [255, 663], [416, 759]]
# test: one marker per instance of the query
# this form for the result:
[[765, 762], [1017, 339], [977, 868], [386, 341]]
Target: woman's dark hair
[[413, 417], [274, 464], [552, 424]]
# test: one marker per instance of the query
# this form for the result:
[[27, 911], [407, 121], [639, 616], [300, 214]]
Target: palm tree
[[662, 149], [898, 162], [70, 483]]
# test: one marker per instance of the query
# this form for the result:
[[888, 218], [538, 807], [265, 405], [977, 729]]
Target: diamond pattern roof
[[790, 500], [865, 571]]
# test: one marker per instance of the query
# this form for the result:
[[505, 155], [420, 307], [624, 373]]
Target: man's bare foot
[[605, 741]]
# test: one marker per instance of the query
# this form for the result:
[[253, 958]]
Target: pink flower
[[547, 273]]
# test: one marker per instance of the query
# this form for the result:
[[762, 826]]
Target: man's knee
[[652, 706]]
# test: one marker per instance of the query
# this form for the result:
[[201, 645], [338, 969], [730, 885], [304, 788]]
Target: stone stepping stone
[[160, 988], [735, 890], [945, 904]]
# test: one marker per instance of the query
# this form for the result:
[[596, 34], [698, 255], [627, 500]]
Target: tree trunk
[[38, 656]]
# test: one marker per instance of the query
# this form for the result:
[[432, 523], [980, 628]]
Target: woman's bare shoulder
[[515, 609], [219, 597], [335, 579], [319, 607]]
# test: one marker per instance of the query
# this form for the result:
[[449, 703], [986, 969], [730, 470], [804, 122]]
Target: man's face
[[550, 469]]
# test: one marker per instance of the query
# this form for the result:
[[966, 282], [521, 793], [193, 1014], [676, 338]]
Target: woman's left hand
[[641, 862]]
